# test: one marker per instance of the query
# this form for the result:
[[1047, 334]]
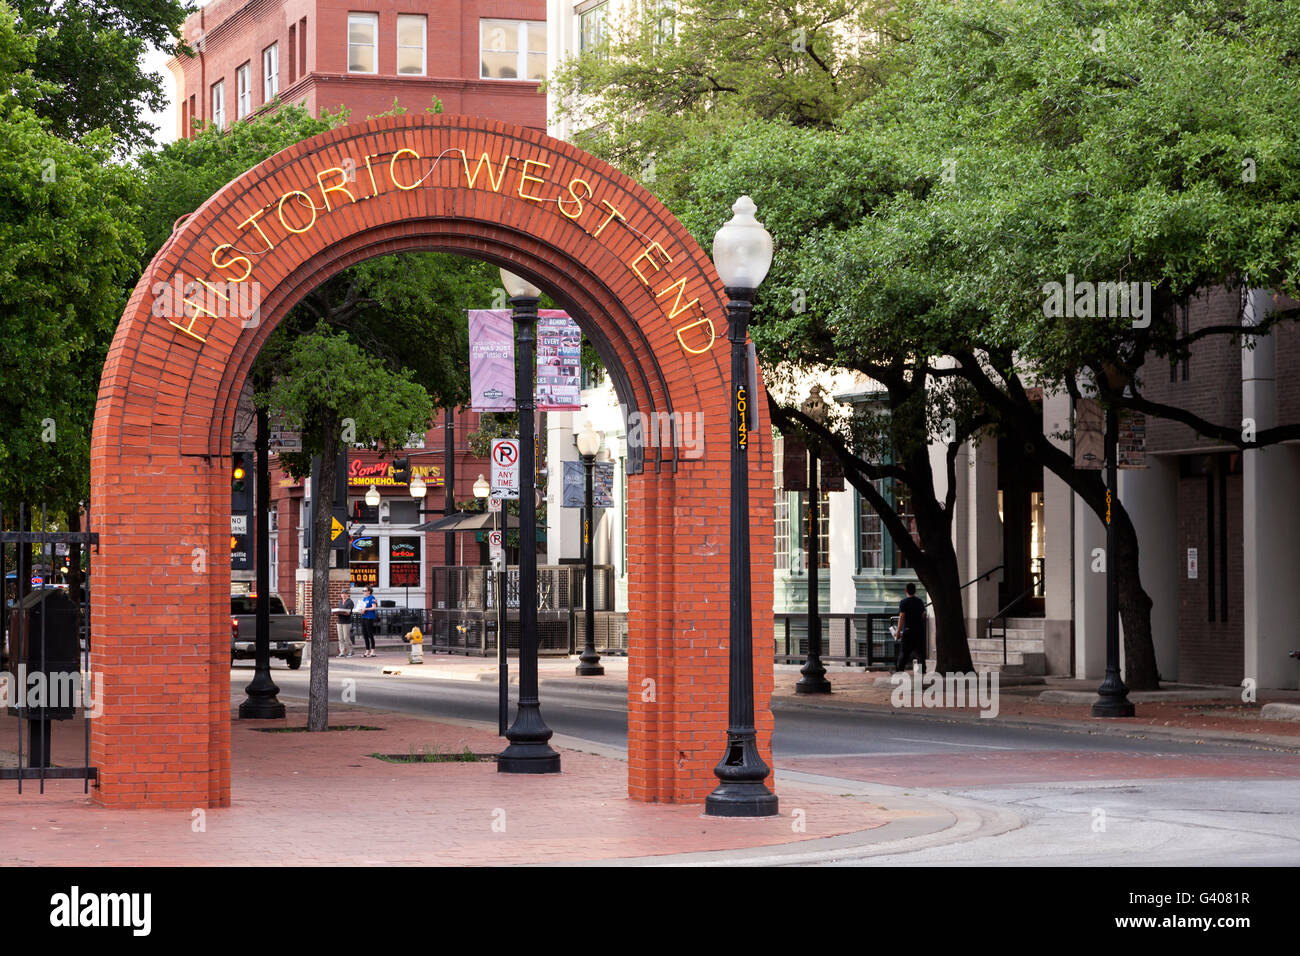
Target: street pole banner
[[491, 360], [575, 485], [559, 359]]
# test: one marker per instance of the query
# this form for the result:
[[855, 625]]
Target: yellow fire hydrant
[[416, 640]]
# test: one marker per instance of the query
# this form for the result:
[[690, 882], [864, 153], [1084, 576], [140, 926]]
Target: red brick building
[[478, 57]]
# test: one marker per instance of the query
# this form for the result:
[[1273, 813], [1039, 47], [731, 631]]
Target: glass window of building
[[512, 49], [780, 506], [404, 561], [403, 512], [363, 43], [665, 20], [363, 558], [593, 29], [270, 72], [410, 44], [871, 536], [219, 104], [244, 95], [823, 529]]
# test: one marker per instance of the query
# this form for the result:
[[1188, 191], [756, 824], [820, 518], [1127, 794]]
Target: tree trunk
[[943, 585], [322, 504], [1140, 669]]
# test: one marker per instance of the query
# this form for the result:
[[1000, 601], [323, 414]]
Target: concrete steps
[[1026, 656]]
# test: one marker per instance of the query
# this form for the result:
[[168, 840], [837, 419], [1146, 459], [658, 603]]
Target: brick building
[[478, 57]]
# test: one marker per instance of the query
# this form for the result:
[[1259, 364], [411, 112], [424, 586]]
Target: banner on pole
[[559, 360], [491, 360], [575, 485]]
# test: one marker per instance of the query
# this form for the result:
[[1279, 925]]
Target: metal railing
[[1002, 616], [851, 639], [463, 618]]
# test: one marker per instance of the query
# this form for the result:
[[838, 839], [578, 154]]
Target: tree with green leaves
[[333, 392], [92, 55], [658, 71], [72, 249], [1015, 145]]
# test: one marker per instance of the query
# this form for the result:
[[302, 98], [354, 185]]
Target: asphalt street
[[1072, 798]]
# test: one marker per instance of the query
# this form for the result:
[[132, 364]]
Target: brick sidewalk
[[311, 799]]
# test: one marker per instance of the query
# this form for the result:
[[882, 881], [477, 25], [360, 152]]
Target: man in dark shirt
[[911, 630]]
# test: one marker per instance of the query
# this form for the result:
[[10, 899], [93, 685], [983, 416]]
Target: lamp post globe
[[742, 254], [481, 487], [372, 497], [517, 287], [418, 488]]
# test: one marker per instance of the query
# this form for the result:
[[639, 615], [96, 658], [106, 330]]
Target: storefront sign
[[380, 475], [240, 242], [405, 575], [365, 575]]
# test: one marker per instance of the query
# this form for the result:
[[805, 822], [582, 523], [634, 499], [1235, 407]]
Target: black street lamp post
[[588, 445], [528, 751], [262, 702], [814, 679], [742, 253], [1112, 695]]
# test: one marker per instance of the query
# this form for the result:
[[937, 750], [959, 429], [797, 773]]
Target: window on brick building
[[270, 72], [243, 94], [219, 104], [512, 49], [411, 31], [363, 43]]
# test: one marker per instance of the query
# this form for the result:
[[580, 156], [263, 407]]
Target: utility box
[[51, 611]]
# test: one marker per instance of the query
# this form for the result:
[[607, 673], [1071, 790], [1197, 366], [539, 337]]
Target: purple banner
[[491, 360], [559, 357]]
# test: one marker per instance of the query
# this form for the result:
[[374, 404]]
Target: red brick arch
[[160, 452]]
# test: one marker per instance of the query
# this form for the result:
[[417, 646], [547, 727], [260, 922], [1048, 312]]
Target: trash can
[[43, 641]]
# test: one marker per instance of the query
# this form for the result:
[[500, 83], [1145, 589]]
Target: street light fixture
[[418, 488], [742, 254], [529, 751], [372, 496], [481, 487], [481, 491], [588, 441]]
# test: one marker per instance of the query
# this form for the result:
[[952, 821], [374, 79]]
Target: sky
[[155, 61]]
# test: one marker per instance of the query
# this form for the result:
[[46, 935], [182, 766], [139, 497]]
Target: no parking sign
[[505, 468]]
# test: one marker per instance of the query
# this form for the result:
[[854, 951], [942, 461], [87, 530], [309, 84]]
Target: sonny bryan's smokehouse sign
[[296, 213]]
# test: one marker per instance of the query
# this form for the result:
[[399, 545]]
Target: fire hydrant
[[416, 640]]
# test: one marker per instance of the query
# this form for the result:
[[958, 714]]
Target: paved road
[[1080, 798]]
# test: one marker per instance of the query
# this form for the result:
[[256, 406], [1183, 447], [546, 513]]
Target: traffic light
[[237, 474], [402, 471]]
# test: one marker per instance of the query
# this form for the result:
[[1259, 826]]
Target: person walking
[[343, 624], [368, 617], [911, 631]]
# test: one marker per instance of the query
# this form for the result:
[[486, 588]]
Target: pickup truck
[[288, 631]]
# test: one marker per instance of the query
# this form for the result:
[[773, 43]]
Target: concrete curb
[[1281, 711], [1117, 729], [1141, 696]]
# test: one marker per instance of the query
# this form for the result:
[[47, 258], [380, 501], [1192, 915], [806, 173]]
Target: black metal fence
[[463, 619], [45, 631], [854, 639]]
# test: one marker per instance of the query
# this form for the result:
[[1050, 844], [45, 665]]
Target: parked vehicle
[[288, 635]]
